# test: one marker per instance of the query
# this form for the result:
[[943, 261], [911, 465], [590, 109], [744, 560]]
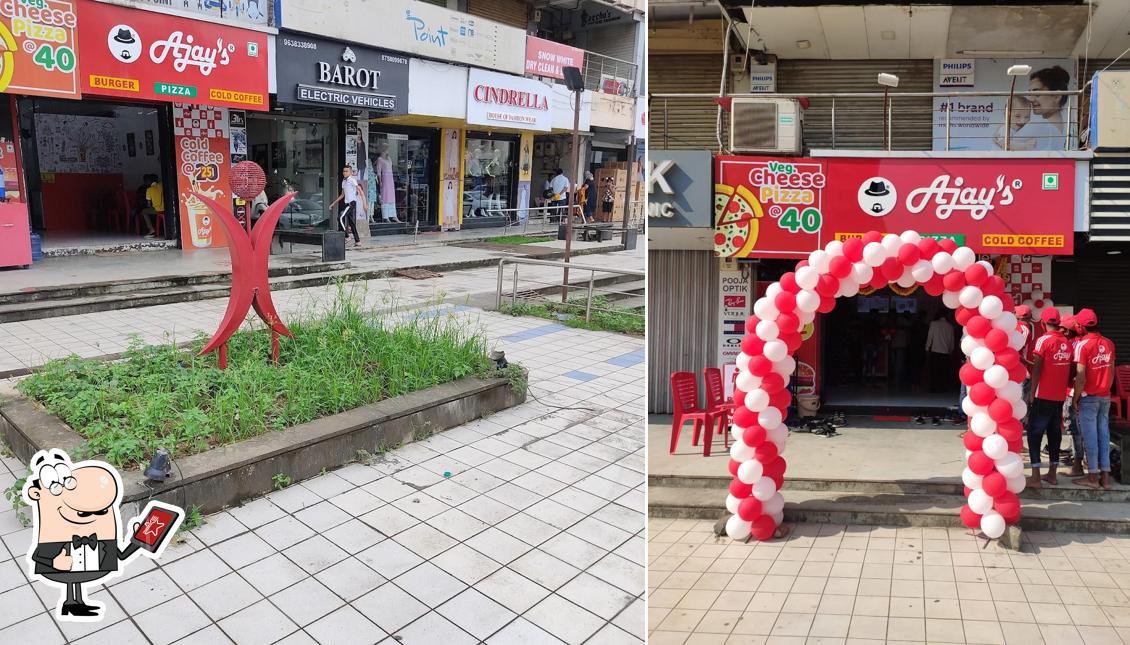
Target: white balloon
[[970, 408], [737, 432], [769, 418], [862, 272], [767, 330], [1016, 340], [992, 525], [737, 528], [1011, 391], [982, 358], [773, 505], [980, 501], [807, 301], [742, 361], [910, 237], [968, 344], [765, 309], [778, 518], [996, 376], [968, 477], [1019, 409], [1005, 322], [991, 307], [750, 471], [963, 258], [891, 244], [764, 489], [1017, 484], [740, 452], [805, 317], [906, 279], [995, 446], [1010, 465], [732, 504], [779, 435], [966, 454], [748, 382], [757, 400], [818, 260], [834, 248], [942, 262], [982, 425], [848, 288], [807, 278], [874, 254], [773, 290], [950, 298], [922, 270], [785, 367], [775, 350], [988, 267], [970, 297]]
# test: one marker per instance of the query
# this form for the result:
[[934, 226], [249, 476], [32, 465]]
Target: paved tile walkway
[[537, 537], [862, 584]]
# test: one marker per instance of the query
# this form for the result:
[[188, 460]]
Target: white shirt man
[[560, 187]]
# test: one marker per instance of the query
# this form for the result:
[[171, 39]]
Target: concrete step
[[838, 507]]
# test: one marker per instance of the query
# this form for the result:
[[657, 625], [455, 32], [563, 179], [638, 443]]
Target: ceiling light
[[803, 44], [887, 34], [1001, 53], [1114, 252]]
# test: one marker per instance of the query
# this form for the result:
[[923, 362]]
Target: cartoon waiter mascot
[[77, 519]]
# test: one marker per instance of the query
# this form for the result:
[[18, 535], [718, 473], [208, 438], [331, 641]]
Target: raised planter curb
[[225, 476]]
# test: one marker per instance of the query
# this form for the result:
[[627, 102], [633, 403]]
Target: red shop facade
[[869, 353]]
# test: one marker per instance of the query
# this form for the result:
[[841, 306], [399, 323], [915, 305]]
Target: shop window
[[489, 177], [297, 155], [398, 175]]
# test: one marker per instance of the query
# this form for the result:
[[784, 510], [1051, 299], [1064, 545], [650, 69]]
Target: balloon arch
[[994, 374]]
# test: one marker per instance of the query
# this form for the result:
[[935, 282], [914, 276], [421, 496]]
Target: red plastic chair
[[1121, 392], [716, 400], [684, 392]]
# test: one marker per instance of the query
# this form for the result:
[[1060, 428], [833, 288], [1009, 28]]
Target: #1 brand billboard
[[767, 207], [317, 71], [137, 54], [37, 39]]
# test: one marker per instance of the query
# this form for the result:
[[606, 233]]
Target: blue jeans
[[1094, 420]]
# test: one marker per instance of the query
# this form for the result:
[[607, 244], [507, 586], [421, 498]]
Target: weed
[[518, 377], [193, 519], [323, 471], [602, 317], [362, 455], [15, 496], [518, 239], [282, 480]]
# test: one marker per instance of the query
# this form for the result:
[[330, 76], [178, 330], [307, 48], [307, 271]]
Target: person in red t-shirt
[[1027, 330], [1094, 360], [1073, 332], [1051, 367]]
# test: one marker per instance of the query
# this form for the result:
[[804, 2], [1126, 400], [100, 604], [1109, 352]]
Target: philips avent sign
[[505, 101]]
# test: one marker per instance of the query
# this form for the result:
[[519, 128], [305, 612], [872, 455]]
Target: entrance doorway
[[297, 154], [408, 160], [490, 177], [101, 175]]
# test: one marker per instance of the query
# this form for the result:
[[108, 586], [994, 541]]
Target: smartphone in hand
[[159, 522]]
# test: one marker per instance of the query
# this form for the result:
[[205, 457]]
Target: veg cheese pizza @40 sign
[[37, 48], [788, 208]]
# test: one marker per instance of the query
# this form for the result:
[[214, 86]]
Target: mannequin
[[475, 171], [388, 186], [365, 178], [494, 168]]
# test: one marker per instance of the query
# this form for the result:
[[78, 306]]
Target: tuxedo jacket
[[108, 555]]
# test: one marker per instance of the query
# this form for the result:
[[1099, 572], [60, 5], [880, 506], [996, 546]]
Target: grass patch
[[162, 396], [519, 239], [572, 314]]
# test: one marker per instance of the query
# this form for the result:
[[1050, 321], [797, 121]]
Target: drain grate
[[417, 274]]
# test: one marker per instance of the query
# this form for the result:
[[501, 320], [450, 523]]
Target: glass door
[[489, 177], [399, 175], [297, 155]]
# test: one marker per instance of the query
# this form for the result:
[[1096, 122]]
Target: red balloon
[[878, 280], [754, 436], [994, 484], [763, 528], [1016, 446], [840, 266], [745, 418], [964, 315], [853, 249], [1000, 410], [785, 301], [775, 468], [749, 509], [909, 254], [788, 323], [1011, 428], [969, 518], [979, 463], [828, 285], [947, 244], [752, 345], [872, 236], [996, 340], [969, 375], [929, 247], [994, 286], [773, 383], [733, 465], [976, 275], [740, 490], [751, 325], [891, 269], [766, 452], [780, 400], [739, 398], [1007, 497], [972, 441], [978, 326], [801, 264], [1008, 358], [788, 282], [1017, 374], [827, 303], [982, 393], [954, 281], [759, 365], [792, 341], [934, 285]]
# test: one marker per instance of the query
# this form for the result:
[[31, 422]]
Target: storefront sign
[[789, 207], [763, 78], [547, 58], [325, 72], [678, 188], [735, 294], [203, 165], [978, 122], [501, 100], [414, 27], [37, 38], [139, 54]]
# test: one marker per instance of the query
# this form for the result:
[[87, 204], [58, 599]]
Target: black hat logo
[[877, 189], [125, 36]]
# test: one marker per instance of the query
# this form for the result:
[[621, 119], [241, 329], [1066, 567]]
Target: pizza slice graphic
[[736, 214]]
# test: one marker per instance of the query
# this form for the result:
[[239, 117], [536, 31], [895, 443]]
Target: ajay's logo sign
[[950, 194], [125, 45]]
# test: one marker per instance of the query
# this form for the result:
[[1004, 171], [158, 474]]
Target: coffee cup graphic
[[199, 223]]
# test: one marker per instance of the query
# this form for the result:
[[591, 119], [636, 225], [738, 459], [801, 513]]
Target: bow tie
[[80, 540]]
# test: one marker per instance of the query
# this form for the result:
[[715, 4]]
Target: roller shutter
[[683, 124], [682, 320], [616, 41], [1093, 279], [859, 122], [509, 12]]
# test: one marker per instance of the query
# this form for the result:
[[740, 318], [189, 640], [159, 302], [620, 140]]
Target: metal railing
[[897, 121], [602, 297], [609, 75]]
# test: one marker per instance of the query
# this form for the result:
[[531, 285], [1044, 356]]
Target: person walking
[[354, 202], [939, 351], [587, 197], [1094, 360], [608, 198], [1051, 368]]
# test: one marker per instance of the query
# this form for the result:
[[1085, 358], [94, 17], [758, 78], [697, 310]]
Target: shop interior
[[95, 161], [297, 154], [490, 179], [408, 160]]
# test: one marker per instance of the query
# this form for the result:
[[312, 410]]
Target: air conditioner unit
[[766, 125]]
